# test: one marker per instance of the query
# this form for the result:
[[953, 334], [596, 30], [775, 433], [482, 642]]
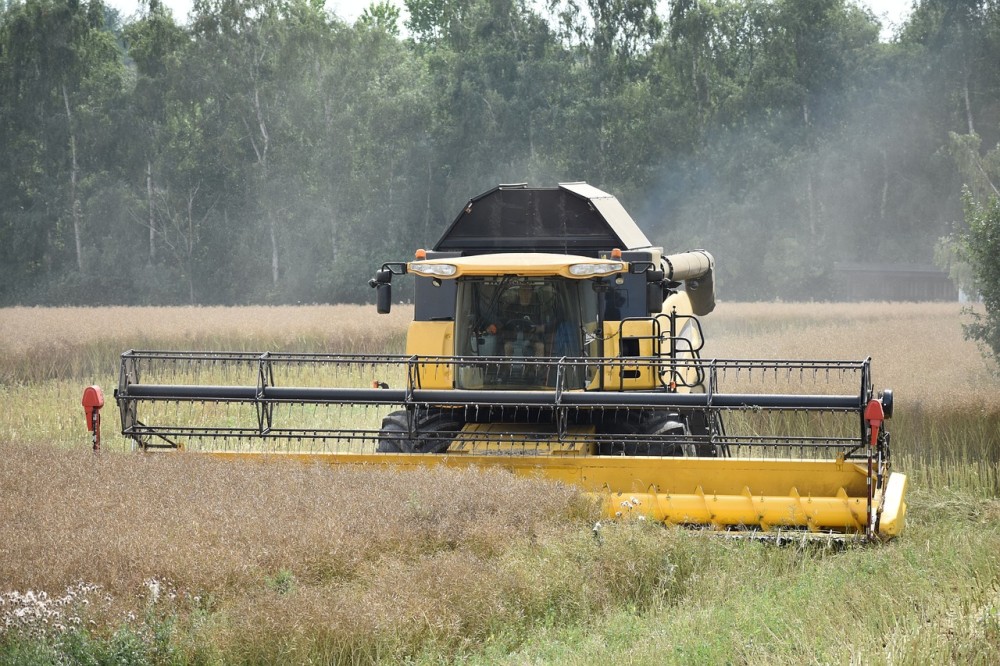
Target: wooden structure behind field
[[892, 282]]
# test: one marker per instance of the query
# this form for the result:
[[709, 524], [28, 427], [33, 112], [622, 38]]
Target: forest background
[[267, 152]]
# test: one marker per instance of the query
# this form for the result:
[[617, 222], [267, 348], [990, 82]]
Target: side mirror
[[383, 298], [382, 283]]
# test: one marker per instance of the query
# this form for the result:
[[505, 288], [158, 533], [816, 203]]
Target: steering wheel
[[522, 324]]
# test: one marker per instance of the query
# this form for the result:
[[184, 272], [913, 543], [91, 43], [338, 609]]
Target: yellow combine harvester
[[552, 339]]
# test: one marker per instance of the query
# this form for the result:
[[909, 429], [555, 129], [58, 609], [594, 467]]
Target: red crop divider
[[93, 400], [874, 417]]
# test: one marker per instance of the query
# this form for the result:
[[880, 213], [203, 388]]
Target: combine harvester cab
[[552, 339]]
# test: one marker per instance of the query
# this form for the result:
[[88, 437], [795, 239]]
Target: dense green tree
[[61, 82], [980, 248], [495, 71], [774, 85], [155, 44], [961, 47], [268, 152], [972, 254], [372, 157], [607, 110], [382, 16]]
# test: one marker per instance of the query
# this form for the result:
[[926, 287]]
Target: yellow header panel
[[768, 494]]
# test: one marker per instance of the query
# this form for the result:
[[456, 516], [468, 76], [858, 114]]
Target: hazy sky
[[892, 12]]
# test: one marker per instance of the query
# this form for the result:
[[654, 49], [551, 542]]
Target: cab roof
[[573, 218]]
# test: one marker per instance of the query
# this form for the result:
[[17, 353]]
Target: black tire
[[631, 428], [392, 435], [700, 425], [662, 424], [675, 426], [394, 438]]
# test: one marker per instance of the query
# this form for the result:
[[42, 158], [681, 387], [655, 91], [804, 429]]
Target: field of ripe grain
[[168, 559]]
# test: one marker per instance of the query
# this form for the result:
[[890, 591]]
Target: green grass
[[672, 597], [956, 449]]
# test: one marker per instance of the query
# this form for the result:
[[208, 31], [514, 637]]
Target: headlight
[[596, 269], [440, 270]]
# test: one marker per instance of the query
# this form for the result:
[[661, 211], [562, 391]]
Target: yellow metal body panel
[[526, 264], [630, 376], [679, 302], [715, 492], [432, 338]]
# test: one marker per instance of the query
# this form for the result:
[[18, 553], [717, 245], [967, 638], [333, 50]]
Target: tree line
[[265, 151]]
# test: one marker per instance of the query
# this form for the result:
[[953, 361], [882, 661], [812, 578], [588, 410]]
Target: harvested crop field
[[179, 559]]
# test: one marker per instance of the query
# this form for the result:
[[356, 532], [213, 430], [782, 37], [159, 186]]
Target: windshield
[[524, 318]]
